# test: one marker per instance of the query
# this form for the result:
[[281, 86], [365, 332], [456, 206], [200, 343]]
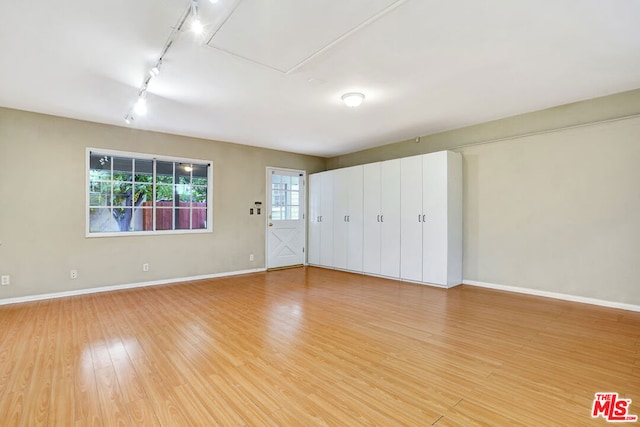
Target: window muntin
[[134, 193]]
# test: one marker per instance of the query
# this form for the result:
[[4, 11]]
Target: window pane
[[184, 194], [164, 193], [122, 169], [295, 213], [183, 170], [142, 219], [143, 193], [99, 193], [144, 170], [199, 219], [100, 167], [123, 217], [164, 172], [183, 219], [199, 194], [122, 194], [100, 220], [164, 219], [200, 171]]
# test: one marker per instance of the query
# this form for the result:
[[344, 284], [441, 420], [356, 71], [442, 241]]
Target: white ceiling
[[270, 73]]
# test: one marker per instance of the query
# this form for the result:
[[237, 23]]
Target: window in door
[[285, 197]]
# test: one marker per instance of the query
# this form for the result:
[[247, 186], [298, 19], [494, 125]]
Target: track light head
[[140, 108], [156, 69]]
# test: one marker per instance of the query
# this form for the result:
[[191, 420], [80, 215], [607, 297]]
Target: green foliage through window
[[142, 194]]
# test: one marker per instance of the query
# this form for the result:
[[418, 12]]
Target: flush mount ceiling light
[[352, 99]]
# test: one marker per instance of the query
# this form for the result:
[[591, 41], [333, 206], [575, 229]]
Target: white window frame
[[144, 156]]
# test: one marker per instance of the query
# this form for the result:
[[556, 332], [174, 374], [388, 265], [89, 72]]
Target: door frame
[[304, 194]]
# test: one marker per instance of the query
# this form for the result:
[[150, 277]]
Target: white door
[[390, 218], [371, 219], [326, 219], [315, 194], [285, 218], [340, 212], [354, 219], [434, 228], [411, 218]]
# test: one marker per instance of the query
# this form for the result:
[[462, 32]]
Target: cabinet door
[[411, 218], [389, 219], [435, 227], [354, 218], [371, 262], [340, 211], [326, 220], [315, 190]]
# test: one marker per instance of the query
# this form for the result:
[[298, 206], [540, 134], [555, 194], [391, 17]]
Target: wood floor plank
[[312, 347]]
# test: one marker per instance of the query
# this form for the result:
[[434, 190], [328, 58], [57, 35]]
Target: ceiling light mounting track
[[140, 106]]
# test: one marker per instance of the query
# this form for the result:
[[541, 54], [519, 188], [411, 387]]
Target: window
[[285, 197], [130, 193]]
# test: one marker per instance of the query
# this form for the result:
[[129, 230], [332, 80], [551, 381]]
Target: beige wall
[[551, 198], [42, 207]]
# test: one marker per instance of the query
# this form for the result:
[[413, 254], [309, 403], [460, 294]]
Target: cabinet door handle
[[424, 218], [320, 218], [381, 218], [419, 218], [348, 218], [378, 218]]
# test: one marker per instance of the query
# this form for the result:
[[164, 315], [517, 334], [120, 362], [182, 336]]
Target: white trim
[[555, 295], [64, 294]]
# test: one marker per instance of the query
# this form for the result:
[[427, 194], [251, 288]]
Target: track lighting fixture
[[140, 107]]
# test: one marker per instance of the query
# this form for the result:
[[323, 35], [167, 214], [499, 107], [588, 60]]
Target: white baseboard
[[555, 295], [40, 297]]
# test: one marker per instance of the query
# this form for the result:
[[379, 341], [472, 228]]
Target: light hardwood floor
[[309, 346]]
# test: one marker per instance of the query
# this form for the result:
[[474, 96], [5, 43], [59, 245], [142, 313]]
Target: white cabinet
[[321, 219], [431, 227], [399, 218], [381, 255], [347, 218]]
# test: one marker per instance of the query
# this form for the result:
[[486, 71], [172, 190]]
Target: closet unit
[[400, 218]]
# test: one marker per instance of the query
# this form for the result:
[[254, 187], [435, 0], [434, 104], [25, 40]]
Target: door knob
[[270, 224]]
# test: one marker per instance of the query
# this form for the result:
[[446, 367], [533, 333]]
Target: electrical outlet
[[73, 274], [5, 280], [251, 257], [145, 267]]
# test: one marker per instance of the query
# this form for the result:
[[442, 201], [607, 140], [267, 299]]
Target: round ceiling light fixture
[[352, 99]]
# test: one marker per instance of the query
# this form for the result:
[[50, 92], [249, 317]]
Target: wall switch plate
[[251, 257], [73, 274], [145, 267], [5, 280]]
